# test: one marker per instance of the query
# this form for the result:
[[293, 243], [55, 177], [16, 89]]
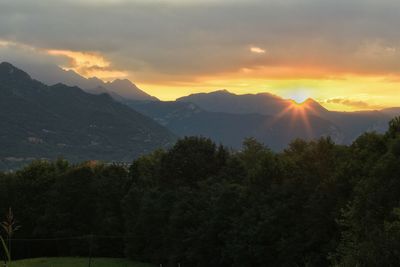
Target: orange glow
[[82, 59], [336, 87], [377, 91], [357, 91], [298, 111], [88, 64]]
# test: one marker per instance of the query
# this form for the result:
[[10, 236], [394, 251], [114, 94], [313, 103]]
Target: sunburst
[[298, 111]]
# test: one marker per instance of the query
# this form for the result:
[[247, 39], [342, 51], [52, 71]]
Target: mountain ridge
[[278, 120], [225, 117], [262, 103], [40, 121], [52, 74]]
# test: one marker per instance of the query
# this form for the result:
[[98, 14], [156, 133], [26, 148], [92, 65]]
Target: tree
[[189, 161], [394, 127]]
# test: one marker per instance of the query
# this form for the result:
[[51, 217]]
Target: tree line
[[200, 204]]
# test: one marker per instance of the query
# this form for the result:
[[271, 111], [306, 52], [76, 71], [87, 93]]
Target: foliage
[[198, 204]]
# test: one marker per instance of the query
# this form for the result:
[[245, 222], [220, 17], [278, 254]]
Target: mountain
[[51, 74], [101, 90], [391, 111], [262, 103], [351, 124], [185, 119], [40, 121], [165, 112], [128, 90], [229, 118], [47, 121]]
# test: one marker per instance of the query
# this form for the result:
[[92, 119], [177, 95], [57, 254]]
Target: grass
[[77, 262]]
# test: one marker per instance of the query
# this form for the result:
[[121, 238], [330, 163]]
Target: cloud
[[257, 50], [358, 104], [89, 64], [168, 40], [24, 54], [82, 59]]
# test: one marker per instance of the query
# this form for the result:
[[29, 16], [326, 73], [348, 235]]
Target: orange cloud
[[88, 64], [357, 104]]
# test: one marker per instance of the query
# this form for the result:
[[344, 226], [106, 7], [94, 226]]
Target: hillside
[[186, 119], [343, 126], [39, 121]]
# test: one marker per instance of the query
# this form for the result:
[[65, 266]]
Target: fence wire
[[88, 246]]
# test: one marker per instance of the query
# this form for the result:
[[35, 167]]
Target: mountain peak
[[10, 72], [222, 91], [95, 80], [313, 102], [129, 90], [310, 100], [123, 82]]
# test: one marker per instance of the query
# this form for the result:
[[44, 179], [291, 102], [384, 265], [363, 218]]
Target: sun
[[298, 104], [299, 96], [299, 110]]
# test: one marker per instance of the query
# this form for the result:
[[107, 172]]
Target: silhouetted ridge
[[11, 73], [40, 121]]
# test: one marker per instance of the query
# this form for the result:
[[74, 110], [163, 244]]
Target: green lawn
[[77, 262]]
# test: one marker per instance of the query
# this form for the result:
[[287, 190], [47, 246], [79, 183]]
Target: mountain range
[[261, 103], [118, 89], [41, 121], [117, 121], [229, 118]]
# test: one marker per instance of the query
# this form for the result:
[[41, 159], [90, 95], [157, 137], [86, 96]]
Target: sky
[[345, 54]]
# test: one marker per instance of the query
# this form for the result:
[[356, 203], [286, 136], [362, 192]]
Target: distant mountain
[[128, 90], [164, 112], [40, 121], [101, 90], [51, 74], [228, 118], [391, 111], [185, 119], [262, 103], [351, 124], [48, 121]]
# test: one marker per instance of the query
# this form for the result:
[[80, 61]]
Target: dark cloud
[[20, 54], [170, 39]]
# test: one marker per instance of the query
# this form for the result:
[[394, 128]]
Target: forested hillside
[[199, 204], [39, 121]]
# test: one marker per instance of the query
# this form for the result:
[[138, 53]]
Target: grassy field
[[77, 262]]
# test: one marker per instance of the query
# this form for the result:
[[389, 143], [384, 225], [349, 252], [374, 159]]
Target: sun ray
[[298, 112]]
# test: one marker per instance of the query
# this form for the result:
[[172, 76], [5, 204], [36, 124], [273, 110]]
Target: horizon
[[299, 98], [344, 55]]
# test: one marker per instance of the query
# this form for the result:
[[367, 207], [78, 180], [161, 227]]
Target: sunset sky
[[345, 54]]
